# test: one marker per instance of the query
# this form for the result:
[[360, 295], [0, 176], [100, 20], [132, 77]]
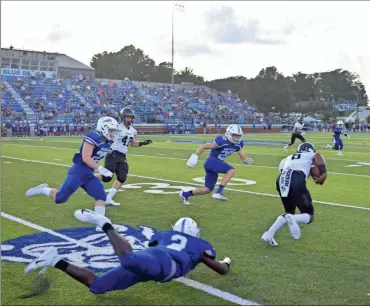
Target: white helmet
[[107, 126], [187, 226], [234, 133], [340, 123]]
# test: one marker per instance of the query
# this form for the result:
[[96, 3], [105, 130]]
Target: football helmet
[[187, 226], [107, 126], [234, 133]]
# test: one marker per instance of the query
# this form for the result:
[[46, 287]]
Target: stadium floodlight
[[175, 8]]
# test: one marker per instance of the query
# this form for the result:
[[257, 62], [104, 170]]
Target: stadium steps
[[30, 113]]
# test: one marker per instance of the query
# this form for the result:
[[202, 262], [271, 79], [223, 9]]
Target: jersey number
[[126, 140], [224, 154], [296, 156], [179, 243]]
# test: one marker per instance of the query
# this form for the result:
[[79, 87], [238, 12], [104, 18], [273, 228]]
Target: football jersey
[[186, 250], [298, 162], [100, 150], [124, 137], [297, 128], [224, 148], [337, 132]]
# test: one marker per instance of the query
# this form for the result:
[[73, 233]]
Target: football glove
[[249, 161], [105, 172], [227, 261], [192, 161], [145, 142]]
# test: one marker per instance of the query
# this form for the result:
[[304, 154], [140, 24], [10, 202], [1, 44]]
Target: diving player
[[170, 255], [337, 142], [297, 133], [291, 185], [115, 161], [221, 148], [94, 147]]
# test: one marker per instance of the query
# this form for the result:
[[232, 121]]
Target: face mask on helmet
[[235, 138], [128, 120], [111, 134]]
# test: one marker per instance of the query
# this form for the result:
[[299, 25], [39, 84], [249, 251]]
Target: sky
[[217, 39]]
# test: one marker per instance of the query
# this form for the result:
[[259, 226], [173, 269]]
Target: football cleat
[[294, 228], [340, 153], [328, 146], [269, 239], [286, 148], [89, 216], [47, 259], [117, 227], [219, 196], [183, 199], [112, 203], [36, 190]]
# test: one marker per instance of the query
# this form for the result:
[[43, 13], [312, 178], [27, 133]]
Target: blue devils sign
[[83, 246]]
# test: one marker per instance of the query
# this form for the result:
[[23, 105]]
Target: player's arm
[[244, 158], [221, 267], [193, 159], [321, 164], [207, 146], [136, 143], [87, 152]]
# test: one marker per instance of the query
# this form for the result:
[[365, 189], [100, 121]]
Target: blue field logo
[[83, 246]]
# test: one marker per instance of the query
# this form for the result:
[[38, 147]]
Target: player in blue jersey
[[170, 255], [221, 148], [94, 147], [337, 141]]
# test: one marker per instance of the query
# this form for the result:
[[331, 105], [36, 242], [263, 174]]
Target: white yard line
[[188, 282], [184, 159], [195, 184]]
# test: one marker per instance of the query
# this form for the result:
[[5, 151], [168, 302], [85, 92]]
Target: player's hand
[[249, 161], [226, 261], [192, 161], [146, 142], [303, 133], [105, 172]]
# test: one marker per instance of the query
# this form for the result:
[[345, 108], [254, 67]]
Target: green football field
[[330, 264]]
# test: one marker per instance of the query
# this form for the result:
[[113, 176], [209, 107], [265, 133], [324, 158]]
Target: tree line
[[270, 90]]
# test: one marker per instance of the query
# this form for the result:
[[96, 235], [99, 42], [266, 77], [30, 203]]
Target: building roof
[[65, 61]]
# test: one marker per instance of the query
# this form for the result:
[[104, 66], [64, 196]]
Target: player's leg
[[71, 183], [95, 189], [229, 171], [292, 140], [289, 208], [340, 147], [301, 138], [209, 184], [121, 173]]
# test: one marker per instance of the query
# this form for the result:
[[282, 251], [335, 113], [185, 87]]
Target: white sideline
[[187, 183], [188, 282], [176, 158]]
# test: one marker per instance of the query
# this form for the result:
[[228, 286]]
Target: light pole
[[175, 8]]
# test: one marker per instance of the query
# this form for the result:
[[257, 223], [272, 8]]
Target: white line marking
[[7, 162], [189, 183], [57, 159], [235, 164], [188, 282]]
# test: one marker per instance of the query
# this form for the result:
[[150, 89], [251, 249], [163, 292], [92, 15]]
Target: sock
[[220, 189], [46, 191], [187, 194], [302, 218], [100, 210], [111, 194], [107, 226], [61, 265], [279, 223]]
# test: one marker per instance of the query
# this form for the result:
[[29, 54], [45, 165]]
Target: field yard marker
[[188, 282], [188, 183], [237, 164]]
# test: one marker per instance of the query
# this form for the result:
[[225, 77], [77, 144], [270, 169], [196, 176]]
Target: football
[[318, 159]]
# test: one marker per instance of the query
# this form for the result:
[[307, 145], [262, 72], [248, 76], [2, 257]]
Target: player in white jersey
[[115, 161], [297, 133], [291, 185]]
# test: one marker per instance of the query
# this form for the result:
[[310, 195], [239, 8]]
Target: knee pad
[[121, 177], [106, 179]]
